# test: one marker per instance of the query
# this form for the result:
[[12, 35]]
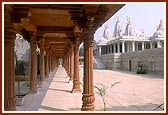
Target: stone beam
[[55, 29]]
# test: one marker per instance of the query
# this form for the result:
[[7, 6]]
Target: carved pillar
[[42, 65], [33, 70], [88, 88], [71, 65], [76, 82], [9, 71], [47, 63]]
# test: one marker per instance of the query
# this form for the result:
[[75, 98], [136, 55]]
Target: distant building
[[126, 50]]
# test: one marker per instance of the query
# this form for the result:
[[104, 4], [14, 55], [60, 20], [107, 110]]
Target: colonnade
[[71, 64], [127, 46]]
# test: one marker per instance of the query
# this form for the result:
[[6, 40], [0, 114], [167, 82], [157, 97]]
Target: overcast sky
[[144, 16]]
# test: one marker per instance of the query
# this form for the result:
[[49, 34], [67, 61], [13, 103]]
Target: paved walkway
[[133, 93]]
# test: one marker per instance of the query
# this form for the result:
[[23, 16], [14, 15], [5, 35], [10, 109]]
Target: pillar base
[[40, 84], [76, 86], [10, 104], [76, 91], [11, 109], [32, 92], [88, 102]]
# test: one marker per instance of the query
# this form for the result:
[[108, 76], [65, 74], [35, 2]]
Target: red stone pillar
[[33, 70], [71, 65], [76, 82], [47, 63], [42, 65], [66, 63], [50, 61], [88, 89], [9, 71]]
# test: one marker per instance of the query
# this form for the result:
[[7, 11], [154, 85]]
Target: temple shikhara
[[43, 40]]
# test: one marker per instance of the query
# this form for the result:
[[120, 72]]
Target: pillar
[[133, 46], [88, 87], [76, 82], [50, 62], [9, 71], [143, 45], [47, 63], [159, 44], [110, 48], [118, 47], [71, 65], [33, 69], [99, 51], [42, 65]]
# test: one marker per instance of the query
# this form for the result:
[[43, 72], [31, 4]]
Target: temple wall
[[153, 60]]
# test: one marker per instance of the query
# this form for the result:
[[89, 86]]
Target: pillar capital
[[88, 34], [8, 9]]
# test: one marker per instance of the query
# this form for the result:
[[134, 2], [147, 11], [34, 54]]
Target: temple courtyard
[[134, 92]]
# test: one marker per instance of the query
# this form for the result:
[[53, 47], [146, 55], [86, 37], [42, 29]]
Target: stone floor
[[134, 93]]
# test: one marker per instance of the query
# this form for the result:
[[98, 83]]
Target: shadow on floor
[[50, 108], [60, 90], [61, 81], [148, 75], [147, 107]]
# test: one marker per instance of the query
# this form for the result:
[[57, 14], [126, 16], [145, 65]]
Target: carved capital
[[33, 38], [20, 13], [8, 9], [76, 48], [88, 43]]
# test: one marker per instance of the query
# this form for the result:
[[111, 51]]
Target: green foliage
[[103, 91]]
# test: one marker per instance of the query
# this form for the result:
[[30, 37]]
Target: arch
[[154, 45], [147, 46], [139, 46]]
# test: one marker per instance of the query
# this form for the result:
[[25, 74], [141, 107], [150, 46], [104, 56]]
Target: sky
[[144, 16]]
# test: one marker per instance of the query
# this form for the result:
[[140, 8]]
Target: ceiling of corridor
[[59, 24]]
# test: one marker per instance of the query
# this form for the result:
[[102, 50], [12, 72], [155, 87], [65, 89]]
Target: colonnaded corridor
[[133, 93]]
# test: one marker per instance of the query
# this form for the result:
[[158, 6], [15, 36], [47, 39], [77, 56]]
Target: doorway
[[130, 65]]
